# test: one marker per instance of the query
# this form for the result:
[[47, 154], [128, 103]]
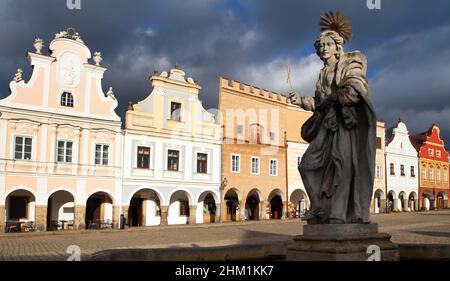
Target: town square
[[406, 228], [225, 130]]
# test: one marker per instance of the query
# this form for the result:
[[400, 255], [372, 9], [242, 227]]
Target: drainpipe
[[221, 177], [286, 174], [124, 134], [385, 183]]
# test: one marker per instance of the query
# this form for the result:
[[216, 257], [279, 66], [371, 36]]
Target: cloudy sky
[[406, 42]]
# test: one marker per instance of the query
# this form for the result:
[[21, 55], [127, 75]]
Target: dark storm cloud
[[406, 43]]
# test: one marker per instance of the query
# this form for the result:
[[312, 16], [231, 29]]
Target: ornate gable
[[67, 81]]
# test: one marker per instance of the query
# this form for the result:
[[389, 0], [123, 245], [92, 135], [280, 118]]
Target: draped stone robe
[[338, 167]]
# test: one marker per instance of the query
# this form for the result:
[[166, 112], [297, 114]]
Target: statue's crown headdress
[[337, 22]]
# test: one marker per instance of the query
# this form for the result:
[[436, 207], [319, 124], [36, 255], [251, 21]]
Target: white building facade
[[401, 171], [298, 197], [172, 156]]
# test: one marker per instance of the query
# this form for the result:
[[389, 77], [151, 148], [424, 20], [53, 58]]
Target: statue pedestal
[[342, 242]]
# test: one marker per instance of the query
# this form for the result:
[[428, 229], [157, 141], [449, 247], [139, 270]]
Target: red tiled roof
[[418, 140]]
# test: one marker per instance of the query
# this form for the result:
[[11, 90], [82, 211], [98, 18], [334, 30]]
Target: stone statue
[[68, 72], [62, 34], [97, 58], [110, 93], [338, 167], [38, 45], [18, 76]]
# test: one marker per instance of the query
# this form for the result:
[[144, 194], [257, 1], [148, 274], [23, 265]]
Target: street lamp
[[223, 184]]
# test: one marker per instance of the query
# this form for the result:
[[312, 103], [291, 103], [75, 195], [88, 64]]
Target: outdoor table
[[63, 223], [16, 225]]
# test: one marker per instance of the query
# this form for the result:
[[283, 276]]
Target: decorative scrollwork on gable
[[24, 127]]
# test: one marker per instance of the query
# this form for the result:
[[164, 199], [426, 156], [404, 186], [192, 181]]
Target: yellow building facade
[[258, 128]]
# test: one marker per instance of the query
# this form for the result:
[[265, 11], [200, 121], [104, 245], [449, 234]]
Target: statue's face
[[327, 48]]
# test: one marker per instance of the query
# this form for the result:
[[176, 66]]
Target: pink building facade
[[61, 142]]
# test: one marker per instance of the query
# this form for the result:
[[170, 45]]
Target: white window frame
[[276, 167], [259, 165], [65, 150], [431, 174], [378, 171], [239, 129], [101, 152], [150, 163], [402, 167], [23, 147], [238, 164], [180, 160], [180, 113], [272, 136], [438, 174], [392, 165], [424, 173], [208, 158], [60, 97]]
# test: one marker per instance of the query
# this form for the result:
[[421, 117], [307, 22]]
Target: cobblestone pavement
[[427, 227]]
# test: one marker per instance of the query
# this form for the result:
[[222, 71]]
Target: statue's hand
[[295, 98]]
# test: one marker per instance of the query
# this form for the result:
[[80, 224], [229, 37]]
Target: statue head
[[329, 44]]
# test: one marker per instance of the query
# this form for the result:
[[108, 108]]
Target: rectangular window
[[65, 151], [273, 167], [255, 165], [378, 143], [173, 159], [175, 110], [239, 129], [101, 154], [438, 153], [438, 175], [431, 175], [379, 172], [143, 157], [445, 175], [184, 208], [413, 173], [202, 162], [22, 149], [402, 170], [424, 173], [430, 152], [256, 136], [272, 136], [392, 169], [235, 163]]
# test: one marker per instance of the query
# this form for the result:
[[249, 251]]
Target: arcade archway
[[145, 208], [232, 205]]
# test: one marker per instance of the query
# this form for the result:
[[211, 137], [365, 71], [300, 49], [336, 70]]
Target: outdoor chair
[[12, 227], [70, 224], [109, 224], [28, 227], [92, 224]]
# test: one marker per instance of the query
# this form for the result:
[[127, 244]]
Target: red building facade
[[433, 169]]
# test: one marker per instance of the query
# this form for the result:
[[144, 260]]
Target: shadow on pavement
[[432, 233]]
